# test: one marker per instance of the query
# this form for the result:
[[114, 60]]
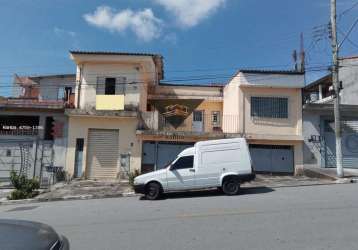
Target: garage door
[[168, 152], [159, 154], [102, 153], [272, 158], [349, 144]]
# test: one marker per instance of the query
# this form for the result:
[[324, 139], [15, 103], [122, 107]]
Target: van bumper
[[139, 189], [247, 177]]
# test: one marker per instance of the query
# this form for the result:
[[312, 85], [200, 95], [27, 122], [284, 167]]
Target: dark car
[[20, 235]]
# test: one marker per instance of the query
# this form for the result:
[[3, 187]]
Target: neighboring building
[[111, 91], [33, 127], [268, 108], [177, 116], [318, 115]]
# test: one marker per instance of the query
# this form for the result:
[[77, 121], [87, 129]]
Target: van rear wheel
[[231, 186], [153, 191]]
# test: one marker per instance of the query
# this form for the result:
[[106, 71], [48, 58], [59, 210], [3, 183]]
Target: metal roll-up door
[[102, 154], [349, 144], [272, 158]]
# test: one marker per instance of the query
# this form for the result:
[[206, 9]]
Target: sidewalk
[[87, 189], [350, 174], [276, 181], [75, 190]]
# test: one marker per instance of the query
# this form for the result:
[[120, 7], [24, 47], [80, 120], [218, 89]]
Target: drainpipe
[[320, 94], [79, 86]]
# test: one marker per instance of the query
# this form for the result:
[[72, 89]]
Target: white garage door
[[102, 154]]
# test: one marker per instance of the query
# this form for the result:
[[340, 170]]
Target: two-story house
[[111, 91], [126, 119], [33, 126], [263, 106], [318, 118], [177, 116], [269, 110]]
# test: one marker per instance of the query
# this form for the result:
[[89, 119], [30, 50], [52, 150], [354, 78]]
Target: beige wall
[[91, 71], [290, 126], [208, 107], [231, 109], [237, 111], [180, 91], [139, 72], [79, 126]]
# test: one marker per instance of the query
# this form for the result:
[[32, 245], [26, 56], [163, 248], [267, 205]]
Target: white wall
[[272, 80], [49, 86]]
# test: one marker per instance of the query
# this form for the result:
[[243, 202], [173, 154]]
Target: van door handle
[[192, 170]]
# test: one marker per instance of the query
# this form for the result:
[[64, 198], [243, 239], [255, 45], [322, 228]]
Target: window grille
[[269, 107]]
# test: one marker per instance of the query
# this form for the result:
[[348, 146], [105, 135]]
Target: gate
[[349, 144], [33, 158]]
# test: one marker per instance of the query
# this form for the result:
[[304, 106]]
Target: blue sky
[[207, 39]]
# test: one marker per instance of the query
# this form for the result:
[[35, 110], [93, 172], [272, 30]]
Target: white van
[[224, 164]]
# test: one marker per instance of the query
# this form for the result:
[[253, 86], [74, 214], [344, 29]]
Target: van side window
[[184, 162]]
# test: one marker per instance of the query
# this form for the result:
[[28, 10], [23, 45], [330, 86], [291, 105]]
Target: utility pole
[[336, 87]]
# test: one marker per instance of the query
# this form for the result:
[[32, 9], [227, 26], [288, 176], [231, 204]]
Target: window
[[48, 128], [110, 86], [269, 107], [215, 118], [68, 92], [184, 162], [60, 93], [198, 116], [8, 152]]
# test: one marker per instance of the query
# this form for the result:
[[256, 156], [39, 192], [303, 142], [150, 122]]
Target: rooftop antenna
[[302, 54], [294, 57]]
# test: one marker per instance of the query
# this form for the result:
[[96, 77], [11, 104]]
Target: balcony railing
[[194, 123]]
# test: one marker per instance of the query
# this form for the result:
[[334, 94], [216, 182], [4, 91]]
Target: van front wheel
[[231, 186]]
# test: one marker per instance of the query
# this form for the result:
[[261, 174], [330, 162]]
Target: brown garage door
[[102, 153]]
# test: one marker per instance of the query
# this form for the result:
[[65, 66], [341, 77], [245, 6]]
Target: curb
[[316, 174], [68, 198]]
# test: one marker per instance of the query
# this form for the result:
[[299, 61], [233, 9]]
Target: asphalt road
[[315, 217]]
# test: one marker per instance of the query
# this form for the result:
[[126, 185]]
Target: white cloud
[[142, 23], [62, 32], [189, 13], [68, 36]]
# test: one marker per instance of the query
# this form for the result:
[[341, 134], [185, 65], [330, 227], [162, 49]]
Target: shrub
[[61, 176], [131, 176], [24, 188]]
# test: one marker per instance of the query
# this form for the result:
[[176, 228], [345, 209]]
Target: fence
[[33, 158], [196, 122]]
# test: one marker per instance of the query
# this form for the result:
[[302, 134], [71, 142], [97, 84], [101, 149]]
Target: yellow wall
[[208, 107], [109, 102], [79, 126]]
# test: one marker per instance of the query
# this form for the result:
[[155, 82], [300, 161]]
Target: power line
[[347, 10], [349, 32]]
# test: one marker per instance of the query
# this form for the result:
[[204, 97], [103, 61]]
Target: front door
[[198, 121], [181, 175]]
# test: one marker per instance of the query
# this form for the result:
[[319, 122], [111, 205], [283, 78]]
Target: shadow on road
[[215, 192]]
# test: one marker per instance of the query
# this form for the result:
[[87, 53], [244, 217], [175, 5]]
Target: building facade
[[268, 108], [111, 91], [319, 137], [126, 119], [33, 126]]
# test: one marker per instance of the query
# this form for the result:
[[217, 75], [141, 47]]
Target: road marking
[[217, 213]]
